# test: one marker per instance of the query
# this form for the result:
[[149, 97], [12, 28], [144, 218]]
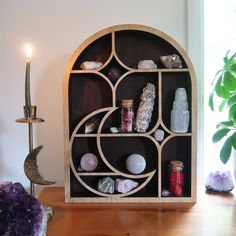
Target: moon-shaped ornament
[[31, 168]]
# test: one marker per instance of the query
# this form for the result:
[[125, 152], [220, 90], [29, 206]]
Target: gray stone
[[106, 185]]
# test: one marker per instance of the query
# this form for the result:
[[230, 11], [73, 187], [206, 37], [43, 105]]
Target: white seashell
[[114, 130], [91, 125], [90, 65], [147, 65]]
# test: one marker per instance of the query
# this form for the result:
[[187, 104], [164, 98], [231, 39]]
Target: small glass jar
[[127, 116], [176, 178]]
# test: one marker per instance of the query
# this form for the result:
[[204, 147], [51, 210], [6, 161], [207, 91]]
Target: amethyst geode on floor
[[219, 182], [20, 213]]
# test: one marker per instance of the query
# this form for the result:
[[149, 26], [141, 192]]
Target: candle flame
[[28, 51]]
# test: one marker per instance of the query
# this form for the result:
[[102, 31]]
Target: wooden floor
[[212, 215]]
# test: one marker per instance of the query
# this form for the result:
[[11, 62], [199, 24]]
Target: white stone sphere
[[89, 162], [135, 163]]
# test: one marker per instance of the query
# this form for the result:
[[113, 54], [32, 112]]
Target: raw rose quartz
[[125, 185]]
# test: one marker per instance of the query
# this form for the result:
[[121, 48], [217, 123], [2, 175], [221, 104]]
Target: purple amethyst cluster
[[20, 213], [220, 182]]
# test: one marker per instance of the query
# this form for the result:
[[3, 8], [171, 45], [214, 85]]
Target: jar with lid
[[176, 178], [127, 116]]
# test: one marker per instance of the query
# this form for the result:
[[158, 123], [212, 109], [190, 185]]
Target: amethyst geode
[[219, 182], [20, 213]]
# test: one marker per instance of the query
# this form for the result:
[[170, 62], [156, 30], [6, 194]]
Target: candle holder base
[[30, 115]]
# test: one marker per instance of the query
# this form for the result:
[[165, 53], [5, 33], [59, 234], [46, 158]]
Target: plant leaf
[[219, 134], [229, 81], [222, 105], [228, 123], [210, 100], [232, 113], [233, 67], [233, 140], [220, 90], [231, 100], [226, 150]]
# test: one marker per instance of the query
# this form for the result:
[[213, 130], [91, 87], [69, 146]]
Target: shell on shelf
[[144, 113], [91, 65], [91, 125]]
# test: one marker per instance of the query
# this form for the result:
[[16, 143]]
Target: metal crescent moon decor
[[31, 168]]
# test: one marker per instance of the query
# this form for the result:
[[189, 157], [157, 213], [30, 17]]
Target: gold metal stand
[[30, 118]]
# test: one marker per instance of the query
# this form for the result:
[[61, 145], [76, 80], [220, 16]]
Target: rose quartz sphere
[[89, 162]]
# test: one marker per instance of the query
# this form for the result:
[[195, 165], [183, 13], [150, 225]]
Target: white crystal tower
[[179, 120]]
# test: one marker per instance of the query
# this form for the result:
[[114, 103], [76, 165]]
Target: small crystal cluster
[[219, 182], [20, 213]]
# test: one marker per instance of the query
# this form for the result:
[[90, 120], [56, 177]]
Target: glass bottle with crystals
[[176, 178], [127, 116]]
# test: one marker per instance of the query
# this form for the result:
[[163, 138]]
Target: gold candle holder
[[30, 117]]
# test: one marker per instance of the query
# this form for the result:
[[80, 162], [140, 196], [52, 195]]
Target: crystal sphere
[[89, 162], [135, 163]]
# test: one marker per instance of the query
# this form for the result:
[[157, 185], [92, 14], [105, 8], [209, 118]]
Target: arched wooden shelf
[[92, 93]]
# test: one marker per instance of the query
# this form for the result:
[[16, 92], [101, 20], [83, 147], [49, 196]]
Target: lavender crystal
[[20, 213], [219, 182]]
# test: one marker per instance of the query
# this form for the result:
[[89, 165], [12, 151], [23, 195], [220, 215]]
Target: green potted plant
[[224, 87]]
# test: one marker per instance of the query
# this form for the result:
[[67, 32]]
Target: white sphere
[[135, 164]]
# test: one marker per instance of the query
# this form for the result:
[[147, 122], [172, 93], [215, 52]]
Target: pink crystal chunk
[[125, 185]]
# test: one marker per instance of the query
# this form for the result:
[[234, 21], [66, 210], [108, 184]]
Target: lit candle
[[28, 51]]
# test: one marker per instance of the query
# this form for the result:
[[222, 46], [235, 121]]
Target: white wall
[[55, 28]]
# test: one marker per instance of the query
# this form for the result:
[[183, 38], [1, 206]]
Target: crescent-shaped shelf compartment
[[97, 94]]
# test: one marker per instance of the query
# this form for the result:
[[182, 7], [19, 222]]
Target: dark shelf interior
[[131, 87], [113, 71], [170, 82], [78, 190], [85, 145], [117, 150], [177, 148], [130, 48], [99, 50], [87, 93]]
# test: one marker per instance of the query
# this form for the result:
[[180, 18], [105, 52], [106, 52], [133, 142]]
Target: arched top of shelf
[[110, 31]]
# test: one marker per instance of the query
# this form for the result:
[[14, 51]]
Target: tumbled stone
[[106, 185], [159, 134], [165, 193], [90, 65], [125, 185], [219, 182], [114, 130], [147, 65]]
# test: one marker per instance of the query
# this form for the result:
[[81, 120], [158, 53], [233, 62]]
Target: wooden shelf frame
[[73, 126]]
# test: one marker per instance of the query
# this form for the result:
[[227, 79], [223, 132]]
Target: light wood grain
[[212, 215], [69, 166]]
